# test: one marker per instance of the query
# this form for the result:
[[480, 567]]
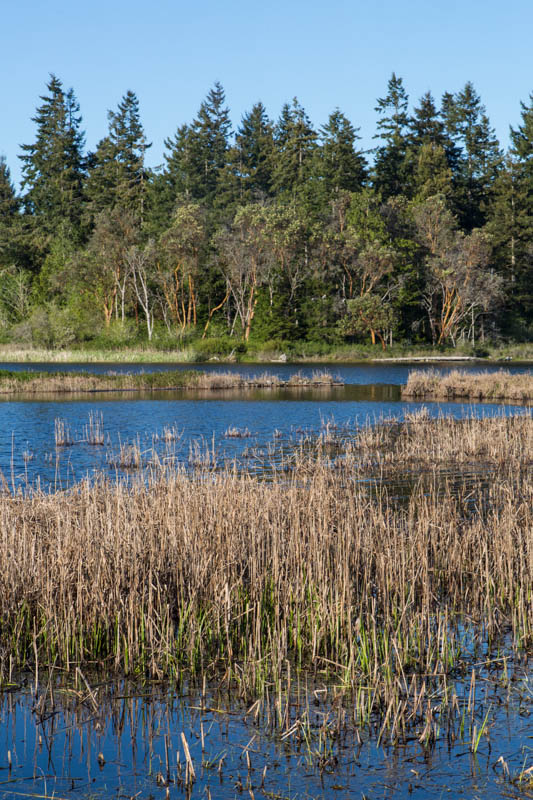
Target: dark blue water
[[270, 419]]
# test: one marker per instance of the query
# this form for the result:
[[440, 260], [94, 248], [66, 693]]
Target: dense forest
[[273, 234]]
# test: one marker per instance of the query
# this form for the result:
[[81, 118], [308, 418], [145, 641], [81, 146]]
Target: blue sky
[[336, 54]]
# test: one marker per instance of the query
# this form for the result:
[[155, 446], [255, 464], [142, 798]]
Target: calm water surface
[[200, 419], [69, 749], [129, 746]]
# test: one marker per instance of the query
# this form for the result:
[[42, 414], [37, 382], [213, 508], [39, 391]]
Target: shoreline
[[188, 356]]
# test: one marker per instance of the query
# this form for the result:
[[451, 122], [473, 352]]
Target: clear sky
[[340, 53]]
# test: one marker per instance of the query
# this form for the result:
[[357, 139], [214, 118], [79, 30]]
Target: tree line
[[275, 232]]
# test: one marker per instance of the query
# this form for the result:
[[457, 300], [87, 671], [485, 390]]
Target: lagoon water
[[274, 419]]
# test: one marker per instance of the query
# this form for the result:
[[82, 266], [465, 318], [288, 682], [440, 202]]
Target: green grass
[[294, 352]]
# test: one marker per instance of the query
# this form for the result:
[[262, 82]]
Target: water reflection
[[118, 739]]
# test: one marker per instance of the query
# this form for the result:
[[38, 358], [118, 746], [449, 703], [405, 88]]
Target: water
[[281, 417], [63, 745], [126, 744]]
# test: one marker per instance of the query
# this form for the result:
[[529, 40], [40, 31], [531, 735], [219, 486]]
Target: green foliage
[[53, 167], [220, 347], [341, 166], [117, 176], [268, 235], [391, 167], [368, 314], [479, 158]]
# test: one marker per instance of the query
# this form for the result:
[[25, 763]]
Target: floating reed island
[[218, 573], [456, 385], [12, 381]]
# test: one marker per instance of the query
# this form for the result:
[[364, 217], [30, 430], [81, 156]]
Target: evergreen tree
[[391, 168], [432, 174], [117, 173], [252, 155], [432, 153], [341, 166], [208, 144], [9, 207], [53, 167], [426, 125], [178, 170], [480, 155], [295, 141], [511, 222]]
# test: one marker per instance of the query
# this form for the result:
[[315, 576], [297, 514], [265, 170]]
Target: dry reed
[[501, 385], [69, 382], [423, 442], [63, 436], [221, 571], [94, 430]]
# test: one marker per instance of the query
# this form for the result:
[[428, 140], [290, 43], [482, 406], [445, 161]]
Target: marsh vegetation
[[456, 385], [330, 604], [12, 382]]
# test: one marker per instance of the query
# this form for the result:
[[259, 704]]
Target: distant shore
[[292, 355]]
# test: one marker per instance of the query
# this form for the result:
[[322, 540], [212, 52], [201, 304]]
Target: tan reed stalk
[[220, 571], [501, 385]]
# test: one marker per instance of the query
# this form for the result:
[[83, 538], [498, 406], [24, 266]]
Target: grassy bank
[[456, 385], [64, 382], [294, 352], [311, 570]]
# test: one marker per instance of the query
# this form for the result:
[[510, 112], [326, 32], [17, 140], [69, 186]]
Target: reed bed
[[94, 430], [456, 385], [236, 433], [67, 382], [221, 573], [129, 457], [62, 433], [504, 441]]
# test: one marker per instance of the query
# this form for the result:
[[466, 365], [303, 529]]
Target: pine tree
[[511, 217], [252, 154], [480, 155], [53, 167], [341, 166], [117, 173], [178, 170], [391, 167], [426, 125], [295, 141], [208, 144], [9, 211], [432, 153]]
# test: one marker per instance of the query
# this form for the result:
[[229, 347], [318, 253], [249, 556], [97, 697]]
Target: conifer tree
[[208, 144], [9, 209], [480, 155], [117, 173], [432, 153], [391, 168], [342, 167], [53, 167], [252, 154], [295, 141], [511, 217]]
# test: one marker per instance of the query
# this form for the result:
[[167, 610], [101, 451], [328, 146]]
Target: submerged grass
[[501, 385], [12, 381]]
